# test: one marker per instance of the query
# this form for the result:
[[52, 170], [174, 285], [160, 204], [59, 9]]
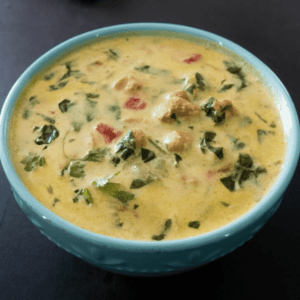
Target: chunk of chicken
[[128, 83], [178, 141], [176, 106]]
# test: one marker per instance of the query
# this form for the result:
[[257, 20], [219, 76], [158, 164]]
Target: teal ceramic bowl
[[164, 257]]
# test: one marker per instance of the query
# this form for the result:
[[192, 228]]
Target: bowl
[[151, 258]]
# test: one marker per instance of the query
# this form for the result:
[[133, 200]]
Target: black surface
[[266, 267]]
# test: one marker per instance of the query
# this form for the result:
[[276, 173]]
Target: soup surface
[[147, 138]]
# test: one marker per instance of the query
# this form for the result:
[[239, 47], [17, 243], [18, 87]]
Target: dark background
[[268, 266]]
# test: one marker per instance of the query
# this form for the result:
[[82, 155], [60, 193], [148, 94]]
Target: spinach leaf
[[32, 161], [260, 118], [162, 235], [139, 183], [200, 84], [126, 146], [64, 105], [77, 125], [194, 224], [147, 155], [229, 182], [48, 134], [225, 203], [152, 71], [48, 119], [112, 54], [232, 68], [58, 86], [76, 169], [262, 133], [56, 200], [116, 110], [96, 155], [217, 117], [206, 144], [48, 76], [70, 72], [157, 146], [85, 194], [226, 87]]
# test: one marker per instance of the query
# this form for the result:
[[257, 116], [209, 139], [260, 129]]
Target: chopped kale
[[92, 95], [273, 125], [217, 117], [152, 71], [112, 54], [236, 144], [126, 147], [48, 119], [139, 183], [58, 86], [56, 200], [48, 76], [147, 155], [32, 161], [226, 87], [200, 84], [178, 159], [76, 169], [243, 171], [115, 160], [48, 134], [194, 224], [225, 203], [64, 105], [162, 235], [232, 68], [70, 72], [96, 155], [262, 133], [116, 110], [206, 144], [228, 182], [84, 194]]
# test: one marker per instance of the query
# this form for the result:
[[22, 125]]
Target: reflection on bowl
[[164, 257]]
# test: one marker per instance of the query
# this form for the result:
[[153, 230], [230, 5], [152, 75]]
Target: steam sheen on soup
[[147, 138]]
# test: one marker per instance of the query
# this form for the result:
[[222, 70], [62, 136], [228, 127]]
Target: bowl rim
[[233, 228]]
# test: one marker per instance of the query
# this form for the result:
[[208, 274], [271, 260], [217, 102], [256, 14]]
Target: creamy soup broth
[[147, 138]]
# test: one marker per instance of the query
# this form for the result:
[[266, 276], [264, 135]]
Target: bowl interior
[[282, 99]]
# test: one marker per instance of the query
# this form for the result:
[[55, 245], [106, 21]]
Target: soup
[[147, 138]]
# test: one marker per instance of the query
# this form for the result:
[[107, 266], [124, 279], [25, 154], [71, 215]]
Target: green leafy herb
[[229, 182], [273, 125], [26, 114], [162, 235], [217, 117], [147, 155], [116, 110], [48, 134], [85, 194], [152, 71], [48, 119], [126, 146], [48, 76], [200, 84], [58, 86], [226, 87], [232, 68], [56, 200], [32, 161], [260, 118], [96, 155], [77, 126], [139, 183], [76, 169], [157, 146], [237, 145], [262, 133], [194, 224], [225, 203], [206, 144], [112, 54], [64, 105], [115, 160]]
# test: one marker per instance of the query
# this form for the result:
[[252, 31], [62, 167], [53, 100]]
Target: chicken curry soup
[[147, 138]]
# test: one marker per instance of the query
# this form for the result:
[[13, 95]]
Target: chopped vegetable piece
[[161, 236], [96, 155], [108, 132], [206, 143], [194, 224], [193, 58], [48, 119], [56, 200], [48, 134], [228, 182], [76, 169], [32, 161], [64, 105], [262, 133], [147, 155], [135, 103], [152, 71], [225, 203], [58, 86]]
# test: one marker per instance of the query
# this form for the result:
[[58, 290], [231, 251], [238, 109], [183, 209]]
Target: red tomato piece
[[108, 132], [193, 58], [135, 103]]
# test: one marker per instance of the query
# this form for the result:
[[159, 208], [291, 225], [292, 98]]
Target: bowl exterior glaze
[[152, 258]]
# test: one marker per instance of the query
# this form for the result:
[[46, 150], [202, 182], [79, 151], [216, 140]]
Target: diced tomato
[[108, 132], [52, 112], [193, 58], [135, 103]]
